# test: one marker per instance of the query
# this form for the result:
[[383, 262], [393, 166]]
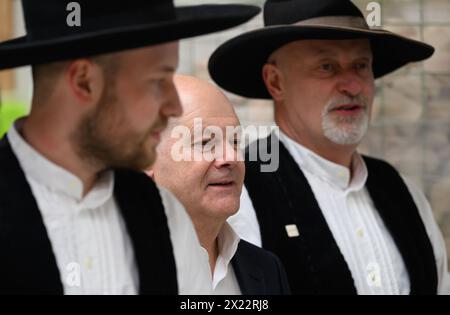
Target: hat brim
[[190, 21], [237, 64]]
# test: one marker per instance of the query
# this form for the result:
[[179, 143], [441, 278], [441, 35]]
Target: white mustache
[[354, 101]]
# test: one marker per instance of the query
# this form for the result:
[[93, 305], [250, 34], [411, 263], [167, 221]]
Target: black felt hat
[[108, 26], [237, 64]]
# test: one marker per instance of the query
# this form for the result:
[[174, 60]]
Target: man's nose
[[172, 107], [228, 157], [350, 84]]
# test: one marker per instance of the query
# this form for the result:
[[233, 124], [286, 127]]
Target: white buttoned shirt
[[223, 279]]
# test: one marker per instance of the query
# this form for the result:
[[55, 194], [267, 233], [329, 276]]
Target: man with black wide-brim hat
[[76, 214], [340, 222]]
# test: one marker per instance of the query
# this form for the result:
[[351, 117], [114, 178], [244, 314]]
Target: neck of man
[[208, 233], [52, 139], [333, 152]]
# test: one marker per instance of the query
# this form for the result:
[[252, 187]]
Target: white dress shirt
[[224, 280], [368, 248], [193, 269], [93, 251]]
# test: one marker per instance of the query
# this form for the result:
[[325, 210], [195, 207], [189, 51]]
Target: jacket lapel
[[248, 274]]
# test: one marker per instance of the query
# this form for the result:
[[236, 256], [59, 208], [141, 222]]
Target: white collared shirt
[[224, 281], [193, 269], [361, 235], [88, 235]]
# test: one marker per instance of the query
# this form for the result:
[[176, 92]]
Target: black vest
[[313, 261], [27, 262]]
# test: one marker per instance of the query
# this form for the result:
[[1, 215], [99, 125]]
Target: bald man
[[199, 161]]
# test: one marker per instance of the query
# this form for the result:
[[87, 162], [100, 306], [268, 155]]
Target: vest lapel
[[144, 215], [328, 265], [401, 216], [28, 265], [312, 260]]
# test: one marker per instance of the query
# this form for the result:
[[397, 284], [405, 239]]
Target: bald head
[[201, 99], [209, 188]]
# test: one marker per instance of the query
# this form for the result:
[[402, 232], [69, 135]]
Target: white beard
[[345, 130]]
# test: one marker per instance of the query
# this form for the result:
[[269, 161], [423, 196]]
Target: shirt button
[[374, 278], [72, 184], [360, 233], [88, 263], [373, 275]]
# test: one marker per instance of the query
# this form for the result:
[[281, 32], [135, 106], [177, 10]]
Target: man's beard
[[104, 139], [346, 130]]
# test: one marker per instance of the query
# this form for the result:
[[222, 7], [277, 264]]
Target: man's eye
[[206, 142], [326, 67], [362, 66], [157, 82], [202, 144]]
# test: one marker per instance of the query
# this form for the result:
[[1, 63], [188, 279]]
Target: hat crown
[[48, 18], [280, 12]]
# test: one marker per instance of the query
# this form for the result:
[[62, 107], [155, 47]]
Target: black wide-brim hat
[[110, 26], [237, 64]]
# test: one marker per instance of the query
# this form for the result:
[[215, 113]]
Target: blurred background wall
[[411, 123]]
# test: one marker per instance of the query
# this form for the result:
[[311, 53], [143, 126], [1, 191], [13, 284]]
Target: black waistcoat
[[27, 262], [313, 261]]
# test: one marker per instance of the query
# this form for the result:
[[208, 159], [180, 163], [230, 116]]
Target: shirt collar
[[334, 174], [55, 178], [228, 242]]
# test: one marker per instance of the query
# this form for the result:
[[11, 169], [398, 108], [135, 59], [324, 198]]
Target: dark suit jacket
[[259, 272]]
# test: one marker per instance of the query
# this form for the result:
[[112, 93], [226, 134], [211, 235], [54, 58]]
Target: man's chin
[[145, 158], [147, 162], [227, 201], [141, 162], [346, 140], [223, 210]]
